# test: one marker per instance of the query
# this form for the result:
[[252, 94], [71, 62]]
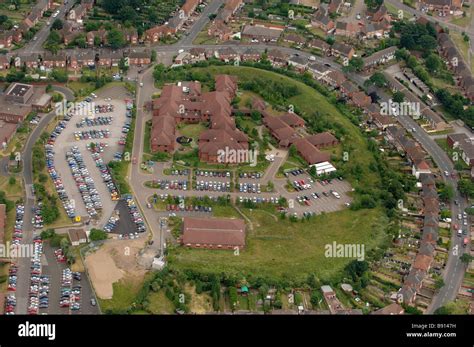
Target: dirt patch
[[200, 303], [115, 260]]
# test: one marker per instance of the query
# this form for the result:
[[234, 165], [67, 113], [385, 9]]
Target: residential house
[[342, 50]]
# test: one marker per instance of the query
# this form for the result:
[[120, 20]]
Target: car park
[[84, 182]]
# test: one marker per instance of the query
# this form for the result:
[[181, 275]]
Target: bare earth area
[[115, 260]]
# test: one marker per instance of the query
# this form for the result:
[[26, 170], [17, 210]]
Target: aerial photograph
[[195, 159]]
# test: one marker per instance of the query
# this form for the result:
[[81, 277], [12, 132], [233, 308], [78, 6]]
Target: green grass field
[[293, 250]]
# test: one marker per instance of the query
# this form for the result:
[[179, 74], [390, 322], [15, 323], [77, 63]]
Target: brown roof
[[422, 262], [322, 139], [311, 154], [392, 309], [214, 231], [292, 119]]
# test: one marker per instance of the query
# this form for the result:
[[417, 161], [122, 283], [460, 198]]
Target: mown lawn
[[125, 292], [159, 303], [281, 248]]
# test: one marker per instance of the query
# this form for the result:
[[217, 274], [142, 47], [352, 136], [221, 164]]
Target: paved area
[[52, 268], [67, 140]]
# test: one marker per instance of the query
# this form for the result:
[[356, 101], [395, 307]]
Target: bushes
[[97, 235]]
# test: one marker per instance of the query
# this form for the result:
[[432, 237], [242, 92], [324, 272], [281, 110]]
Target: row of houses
[[15, 35], [434, 120], [410, 148], [378, 25], [424, 259], [174, 24], [184, 102], [75, 59], [220, 25], [456, 63], [442, 6]]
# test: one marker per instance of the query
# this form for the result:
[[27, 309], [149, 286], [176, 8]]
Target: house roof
[[310, 153], [422, 262], [321, 139]]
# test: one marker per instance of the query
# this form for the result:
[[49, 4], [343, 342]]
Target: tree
[[153, 55], [59, 75], [398, 96], [97, 235], [439, 283], [427, 43], [12, 181], [373, 4], [466, 258], [378, 79], [116, 39], [446, 192], [433, 63], [57, 24]]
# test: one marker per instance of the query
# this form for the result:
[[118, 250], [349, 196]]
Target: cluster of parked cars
[[213, 186], [111, 223], [58, 182], [104, 108], [259, 200], [92, 134], [49, 149], [254, 175], [37, 220], [70, 295], [212, 173], [105, 174], [38, 294], [10, 304], [300, 185], [59, 255], [249, 188], [18, 230], [135, 214], [295, 172], [12, 278], [84, 181], [180, 172], [174, 184], [35, 120], [188, 208], [94, 121], [126, 127], [129, 236]]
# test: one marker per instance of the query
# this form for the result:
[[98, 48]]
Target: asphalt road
[[43, 33]]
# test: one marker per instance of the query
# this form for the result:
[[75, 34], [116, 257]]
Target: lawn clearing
[[292, 250]]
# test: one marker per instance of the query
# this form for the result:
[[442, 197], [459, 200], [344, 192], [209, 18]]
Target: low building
[[380, 57], [77, 236], [213, 233], [342, 50], [262, 33]]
